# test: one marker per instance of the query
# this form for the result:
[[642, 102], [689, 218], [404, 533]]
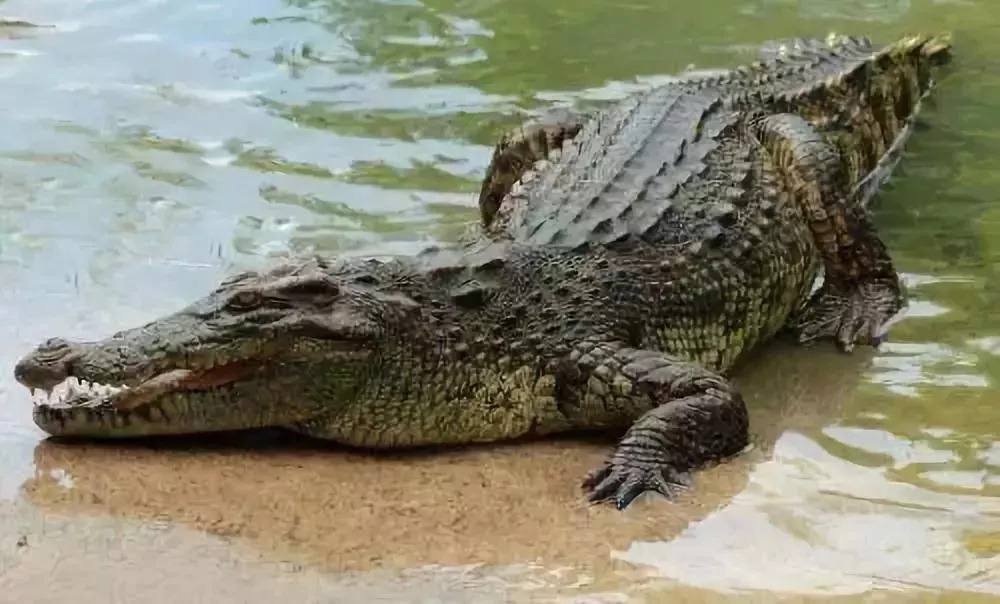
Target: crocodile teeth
[[73, 392]]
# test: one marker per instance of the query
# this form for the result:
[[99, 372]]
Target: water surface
[[151, 147]]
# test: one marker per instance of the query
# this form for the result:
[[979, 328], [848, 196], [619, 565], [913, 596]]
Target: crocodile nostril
[[21, 371], [48, 365], [54, 344]]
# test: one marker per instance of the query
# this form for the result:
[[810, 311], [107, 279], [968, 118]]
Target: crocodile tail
[[918, 55], [920, 52], [901, 79], [933, 49]]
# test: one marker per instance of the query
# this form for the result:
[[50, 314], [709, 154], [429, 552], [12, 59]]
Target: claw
[[622, 482], [862, 316], [632, 488], [594, 478]]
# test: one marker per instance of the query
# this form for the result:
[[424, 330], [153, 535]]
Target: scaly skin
[[633, 328], [555, 179], [621, 173]]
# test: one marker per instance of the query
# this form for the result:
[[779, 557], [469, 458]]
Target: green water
[[150, 147]]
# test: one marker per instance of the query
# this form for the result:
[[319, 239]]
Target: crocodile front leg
[[517, 152], [861, 292], [688, 417]]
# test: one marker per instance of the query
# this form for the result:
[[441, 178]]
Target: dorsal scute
[[603, 176], [626, 172]]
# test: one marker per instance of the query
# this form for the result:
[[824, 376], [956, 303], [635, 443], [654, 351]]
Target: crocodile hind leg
[[688, 417], [518, 151], [861, 291]]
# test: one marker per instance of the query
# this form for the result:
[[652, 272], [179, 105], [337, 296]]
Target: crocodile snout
[[47, 366]]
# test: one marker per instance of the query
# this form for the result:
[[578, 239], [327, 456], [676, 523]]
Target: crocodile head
[[261, 350]]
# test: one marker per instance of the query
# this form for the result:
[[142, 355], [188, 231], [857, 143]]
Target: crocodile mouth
[[65, 377], [75, 392]]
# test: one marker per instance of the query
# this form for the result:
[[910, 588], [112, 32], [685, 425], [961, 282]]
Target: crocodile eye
[[245, 300]]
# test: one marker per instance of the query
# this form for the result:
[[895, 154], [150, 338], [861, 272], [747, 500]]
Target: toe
[[604, 491], [631, 488], [596, 477]]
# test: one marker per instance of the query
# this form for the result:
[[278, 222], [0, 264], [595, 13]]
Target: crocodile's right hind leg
[[861, 292], [518, 150]]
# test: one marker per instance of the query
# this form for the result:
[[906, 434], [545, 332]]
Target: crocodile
[[658, 244]]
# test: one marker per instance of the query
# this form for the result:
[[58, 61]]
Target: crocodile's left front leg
[[861, 291], [692, 416]]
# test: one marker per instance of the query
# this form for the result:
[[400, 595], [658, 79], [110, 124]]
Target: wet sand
[[240, 517]]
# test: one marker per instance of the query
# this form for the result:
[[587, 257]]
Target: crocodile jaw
[[75, 394]]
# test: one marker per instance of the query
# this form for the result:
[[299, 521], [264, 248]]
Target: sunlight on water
[[809, 522]]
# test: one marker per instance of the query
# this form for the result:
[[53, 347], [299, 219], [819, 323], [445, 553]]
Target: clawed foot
[[861, 315], [622, 479]]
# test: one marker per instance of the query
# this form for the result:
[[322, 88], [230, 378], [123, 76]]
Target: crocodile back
[[651, 165], [616, 174]]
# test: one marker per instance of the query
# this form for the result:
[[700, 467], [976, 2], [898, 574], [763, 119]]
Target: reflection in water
[[151, 147]]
